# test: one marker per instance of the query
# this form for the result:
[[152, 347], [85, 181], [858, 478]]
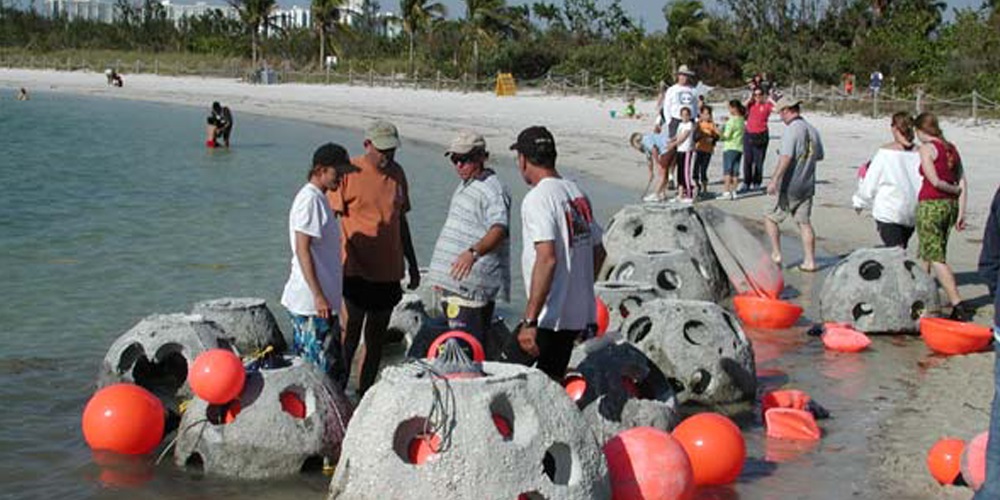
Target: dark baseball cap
[[536, 142], [331, 155]]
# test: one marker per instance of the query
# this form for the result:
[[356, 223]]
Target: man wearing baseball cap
[[794, 181], [471, 261], [561, 254], [313, 291], [681, 94], [372, 202]]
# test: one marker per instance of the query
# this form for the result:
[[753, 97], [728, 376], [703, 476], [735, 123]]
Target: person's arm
[[989, 256], [463, 264], [411, 256], [682, 136], [927, 156], [784, 161], [303, 244], [868, 186], [542, 275], [963, 198]]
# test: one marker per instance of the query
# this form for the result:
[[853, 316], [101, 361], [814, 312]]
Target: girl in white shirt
[[684, 142]]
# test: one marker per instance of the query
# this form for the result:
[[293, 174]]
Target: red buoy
[[123, 418], [217, 376], [715, 446], [646, 463], [944, 459], [603, 316]]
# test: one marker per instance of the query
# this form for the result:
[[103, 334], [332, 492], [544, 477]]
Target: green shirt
[[732, 134]]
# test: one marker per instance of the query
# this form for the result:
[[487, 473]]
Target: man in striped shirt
[[471, 261]]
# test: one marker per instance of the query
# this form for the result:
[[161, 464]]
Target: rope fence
[[974, 106]]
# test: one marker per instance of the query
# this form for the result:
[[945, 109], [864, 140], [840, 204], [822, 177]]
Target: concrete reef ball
[[878, 290], [286, 420], [657, 227], [623, 297], [156, 353], [623, 388], [246, 321], [509, 433], [674, 274], [700, 348]]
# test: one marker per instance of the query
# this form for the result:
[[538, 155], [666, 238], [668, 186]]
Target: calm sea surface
[[113, 210]]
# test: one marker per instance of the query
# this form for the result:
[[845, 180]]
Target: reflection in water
[[849, 370]]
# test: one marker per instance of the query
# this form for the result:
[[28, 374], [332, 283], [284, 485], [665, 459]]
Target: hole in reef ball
[[870, 270]]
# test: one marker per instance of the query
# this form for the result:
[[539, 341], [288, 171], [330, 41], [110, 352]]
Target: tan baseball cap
[[383, 135], [786, 101], [465, 142]]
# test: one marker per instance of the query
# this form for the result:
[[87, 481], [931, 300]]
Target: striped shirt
[[476, 206]]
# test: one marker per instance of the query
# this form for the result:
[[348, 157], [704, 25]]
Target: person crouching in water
[[471, 261], [684, 144], [220, 125]]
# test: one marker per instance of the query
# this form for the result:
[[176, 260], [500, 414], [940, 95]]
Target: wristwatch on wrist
[[475, 254], [529, 323]]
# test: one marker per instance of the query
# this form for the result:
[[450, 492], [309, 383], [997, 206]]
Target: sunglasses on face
[[463, 159]]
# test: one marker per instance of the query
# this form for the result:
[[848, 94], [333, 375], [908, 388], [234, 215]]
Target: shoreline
[[921, 398]]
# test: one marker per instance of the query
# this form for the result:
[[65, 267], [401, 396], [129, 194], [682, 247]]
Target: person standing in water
[[561, 254], [471, 260], [794, 181], [313, 291], [220, 125], [373, 200]]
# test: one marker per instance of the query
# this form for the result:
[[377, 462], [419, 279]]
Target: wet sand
[[889, 404]]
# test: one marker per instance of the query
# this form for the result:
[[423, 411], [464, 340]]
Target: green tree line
[[910, 41]]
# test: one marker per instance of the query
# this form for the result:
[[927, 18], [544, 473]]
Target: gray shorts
[[800, 210]]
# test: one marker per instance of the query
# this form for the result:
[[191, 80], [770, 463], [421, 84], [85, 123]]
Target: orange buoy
[[944, 459], [646, 463], [575, 386], [423, 447], [478, 354], [843, 338], [791, 423], [766, 313], [123, 418], [974, 460], [233, 408], [603, 316], [217, 376], [715, 446], [950, 337], [292, 404], [785, 398]]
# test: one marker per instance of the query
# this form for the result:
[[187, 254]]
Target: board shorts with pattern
[[800, 210], [317, 341], [935, 219]]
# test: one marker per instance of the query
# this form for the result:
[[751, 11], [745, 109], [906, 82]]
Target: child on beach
[[684, 144], [708, 135], [654, 146], [732, 148]]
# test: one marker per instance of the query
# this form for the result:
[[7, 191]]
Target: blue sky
[[649, 11]]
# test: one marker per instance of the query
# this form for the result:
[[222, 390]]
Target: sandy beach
[[943, 396]]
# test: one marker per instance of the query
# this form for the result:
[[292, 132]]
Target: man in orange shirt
[[372, 201]]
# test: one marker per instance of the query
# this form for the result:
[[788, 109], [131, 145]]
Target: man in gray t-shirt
[[801, 148]]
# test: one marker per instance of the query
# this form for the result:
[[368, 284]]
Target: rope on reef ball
[[440, 418]]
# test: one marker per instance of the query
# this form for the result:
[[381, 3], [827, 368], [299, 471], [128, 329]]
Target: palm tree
[[480, 17], [417, 16], [688, 29], [325, 15], [256, 16]]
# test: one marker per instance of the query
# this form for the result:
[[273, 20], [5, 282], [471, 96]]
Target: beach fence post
[[350, 73], [156, 66], [327, 72], [975, 107], [371, 75], [586, 82], [920, 98], [627, 83], [810, 89], [601, 85], [437, 82], [137, 64]]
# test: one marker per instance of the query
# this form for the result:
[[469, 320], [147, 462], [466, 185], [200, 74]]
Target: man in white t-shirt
[[681, 95], [313, 291], [561, 254]]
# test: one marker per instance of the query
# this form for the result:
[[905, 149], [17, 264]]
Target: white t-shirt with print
[[310, 214], [556, 210], [687, 145]]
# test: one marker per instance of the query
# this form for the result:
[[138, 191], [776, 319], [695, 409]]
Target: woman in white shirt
[[890, 185]]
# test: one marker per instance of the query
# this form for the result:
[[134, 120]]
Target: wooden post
[[810, 89], [627, 84], [350, 73], [371, 75], [586, 81], [327, 72], [437, 82], [975, 107], [601, 85], [156, 66], [920, 98]]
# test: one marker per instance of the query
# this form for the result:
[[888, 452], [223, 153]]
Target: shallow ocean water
[[113, 210]]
